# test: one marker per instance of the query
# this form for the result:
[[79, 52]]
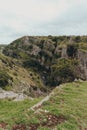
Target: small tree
[[72, 50]]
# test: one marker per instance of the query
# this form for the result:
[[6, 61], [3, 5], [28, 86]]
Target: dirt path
[[45, 99], [42, 101]]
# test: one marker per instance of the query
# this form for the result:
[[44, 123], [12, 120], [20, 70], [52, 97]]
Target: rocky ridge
[[49, 60]]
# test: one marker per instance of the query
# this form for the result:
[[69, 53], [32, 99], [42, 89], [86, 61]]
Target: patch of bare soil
[[81, 128], [34, 126], [51, 121], [19, 127], [24, 127], [3, 125]]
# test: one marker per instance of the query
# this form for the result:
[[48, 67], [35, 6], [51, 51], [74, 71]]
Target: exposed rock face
[[27, 89], [12, 95], [64, 52], [82, 56], [43, 53], [35, 50]]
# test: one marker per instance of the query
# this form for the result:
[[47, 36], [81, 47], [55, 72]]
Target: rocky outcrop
[[82, 57], [64, 52], [43, 54], [12, 95]]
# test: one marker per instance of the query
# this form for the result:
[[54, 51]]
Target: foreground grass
[[65, 110], [70, 101], [13, 113]]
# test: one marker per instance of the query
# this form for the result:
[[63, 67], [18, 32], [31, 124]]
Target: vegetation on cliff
[[54, 58], [34, 66]]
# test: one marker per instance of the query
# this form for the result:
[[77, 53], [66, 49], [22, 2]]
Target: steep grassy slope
[[14, 77], [70, 102], [65, 110]]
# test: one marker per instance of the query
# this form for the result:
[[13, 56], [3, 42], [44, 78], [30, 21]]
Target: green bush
[[64, 71], [72, 50], [31, 63], [4, 78]]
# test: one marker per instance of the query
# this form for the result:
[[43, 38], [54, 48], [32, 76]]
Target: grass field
[[12, 113], [65, 110], [70, 101]]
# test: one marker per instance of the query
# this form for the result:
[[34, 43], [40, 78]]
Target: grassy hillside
[[14, 113], [65, 110], [69, 101], [15, 77]]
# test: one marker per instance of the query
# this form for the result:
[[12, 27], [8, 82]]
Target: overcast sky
[[42, 17]]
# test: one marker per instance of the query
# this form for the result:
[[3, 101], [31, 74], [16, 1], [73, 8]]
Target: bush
[[31, 63], [72, 50], [4, 78], [77, 39], [64, 71]]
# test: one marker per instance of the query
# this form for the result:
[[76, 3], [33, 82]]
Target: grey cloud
[[71, 22]]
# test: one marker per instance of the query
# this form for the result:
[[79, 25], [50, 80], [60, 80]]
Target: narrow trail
[[12, 95], [45, 99], [42, 101]]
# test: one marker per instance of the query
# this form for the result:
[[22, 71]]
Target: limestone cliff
[[82, 56], [55, 59]]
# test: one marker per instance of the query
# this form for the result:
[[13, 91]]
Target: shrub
[[4, 78], [72, 50], [31, 63], [77, 39], [64, 71]]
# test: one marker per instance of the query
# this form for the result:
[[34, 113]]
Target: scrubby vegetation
[[65, 70], [56, 59], [15, 77], [72, 50], [4, 78]]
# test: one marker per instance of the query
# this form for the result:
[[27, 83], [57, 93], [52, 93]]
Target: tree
[[72, 50]]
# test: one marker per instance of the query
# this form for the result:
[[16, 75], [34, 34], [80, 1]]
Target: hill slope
[[56, 59], [65, 110], [35, 65], [16, 78]]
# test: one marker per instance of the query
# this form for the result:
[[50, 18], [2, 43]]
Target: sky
[[41, 17]]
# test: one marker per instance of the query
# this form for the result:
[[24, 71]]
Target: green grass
[[70, 101], [15, 112]]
